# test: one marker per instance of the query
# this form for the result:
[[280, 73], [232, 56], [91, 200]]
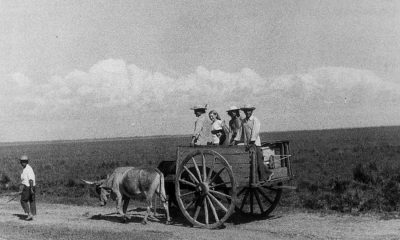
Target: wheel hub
[[203, 187]]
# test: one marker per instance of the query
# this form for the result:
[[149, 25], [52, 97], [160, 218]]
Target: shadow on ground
[[177, 219], [238, 218], [136, 216], [20, 216]]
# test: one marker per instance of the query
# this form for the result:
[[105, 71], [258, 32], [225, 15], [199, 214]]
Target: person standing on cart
[[250, 133], [234, 124], [202, 127], [28, 183], [218, 135]]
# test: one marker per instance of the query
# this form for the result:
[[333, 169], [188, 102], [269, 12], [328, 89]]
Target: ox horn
[[88, 182]]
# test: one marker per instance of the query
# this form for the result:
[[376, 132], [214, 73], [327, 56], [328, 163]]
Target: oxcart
[[209, 183]]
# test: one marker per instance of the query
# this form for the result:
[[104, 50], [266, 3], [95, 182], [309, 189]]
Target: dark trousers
[[263, 171], [28, 201]]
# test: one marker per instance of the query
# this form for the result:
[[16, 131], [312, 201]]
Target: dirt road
[[85, 222]]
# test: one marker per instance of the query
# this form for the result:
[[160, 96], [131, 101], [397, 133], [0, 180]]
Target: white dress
[[216, 125]]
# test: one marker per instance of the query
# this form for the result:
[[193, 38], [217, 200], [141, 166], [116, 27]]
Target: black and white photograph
[[200, 119]]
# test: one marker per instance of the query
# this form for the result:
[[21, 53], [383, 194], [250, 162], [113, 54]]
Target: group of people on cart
[[238, 131]]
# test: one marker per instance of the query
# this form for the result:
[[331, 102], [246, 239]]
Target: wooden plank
[[226, 152], [287, 187], [238, 159], [241, 172], [280, 172]]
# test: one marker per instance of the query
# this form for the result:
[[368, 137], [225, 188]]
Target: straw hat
[[233, 108], [247, 106], [199, 107], [24, 158]]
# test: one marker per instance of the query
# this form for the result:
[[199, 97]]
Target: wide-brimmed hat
[[24, 158], [247, 106], [233, 108], [199, 107]]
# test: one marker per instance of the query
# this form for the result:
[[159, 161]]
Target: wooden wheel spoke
[[211, 169], [244, 199], [218, 202], [241, 191], [251, 201], [188, 193], [191, 175], [196, 214], [204, 167], [217, 174], [197, 169], [220, 184], [205, 211], [212, 209], [190, 204], [259, 201], [220, 194], [265, 196], [187, 182]]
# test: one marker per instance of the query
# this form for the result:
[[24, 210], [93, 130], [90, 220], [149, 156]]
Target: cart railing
[[278, 158]]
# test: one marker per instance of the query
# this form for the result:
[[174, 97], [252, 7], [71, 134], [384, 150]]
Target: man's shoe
[[29, 218]]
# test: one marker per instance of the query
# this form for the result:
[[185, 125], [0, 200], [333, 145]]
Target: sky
[[82, 69]]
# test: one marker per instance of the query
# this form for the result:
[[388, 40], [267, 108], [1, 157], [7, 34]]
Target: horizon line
[[166, 136]]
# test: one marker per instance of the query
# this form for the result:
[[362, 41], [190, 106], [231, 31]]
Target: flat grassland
[[340, 169]]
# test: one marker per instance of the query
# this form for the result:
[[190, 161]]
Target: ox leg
[[148, 209], [165, 203], [125, 206], [119, 203], [162, 194], [166, 207]]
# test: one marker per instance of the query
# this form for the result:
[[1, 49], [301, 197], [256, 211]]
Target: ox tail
[[161, 186], [163, 195]]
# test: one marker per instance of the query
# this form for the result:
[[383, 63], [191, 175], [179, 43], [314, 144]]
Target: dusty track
[[85, 222]]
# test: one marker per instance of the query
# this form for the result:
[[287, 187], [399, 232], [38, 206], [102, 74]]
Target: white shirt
[[250, 131], [201, 130], [28, 174]]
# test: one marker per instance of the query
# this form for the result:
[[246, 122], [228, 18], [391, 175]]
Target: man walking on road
[[27, 187]]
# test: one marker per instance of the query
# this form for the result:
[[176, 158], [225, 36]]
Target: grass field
[[341, 169]]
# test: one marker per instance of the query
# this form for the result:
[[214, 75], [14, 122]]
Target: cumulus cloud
[[113, 83], [335, 86], [113, 87]]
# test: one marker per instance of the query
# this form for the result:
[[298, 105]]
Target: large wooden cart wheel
[[205, 188], [258, 201]]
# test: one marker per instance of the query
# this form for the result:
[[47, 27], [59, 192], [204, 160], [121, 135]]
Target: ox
[[127, 182]]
